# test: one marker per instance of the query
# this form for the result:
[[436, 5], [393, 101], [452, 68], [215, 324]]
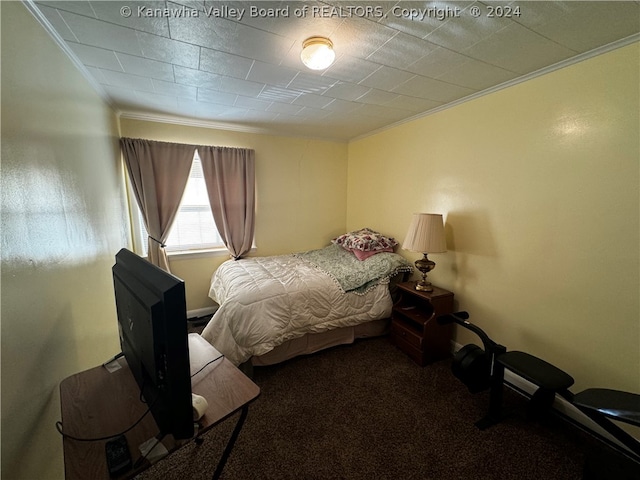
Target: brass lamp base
[[424, 286], [424, 265]]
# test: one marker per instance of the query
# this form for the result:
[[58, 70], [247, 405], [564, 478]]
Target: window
[[193, 228]]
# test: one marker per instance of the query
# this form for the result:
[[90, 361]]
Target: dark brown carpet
[[366, 411]]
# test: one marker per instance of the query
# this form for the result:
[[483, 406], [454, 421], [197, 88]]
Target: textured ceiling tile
[[170, 88], [214, 33], [378, 97], [215, 96], [278, 94], [224, 63], [165, 50], [96, 73], [360, 37], [246, 117], [123, 96], [431, 89], [311, 23], [414, 104], [227, 112], [145, 67], [351, 69], [259, 45], [437, 63], [96, 57], [231, 37], [158, 100], [346, 91], [401, 51], [582, 26], [57, 22], [241, 87], [477, 75], [196, 78], [271, 74], [389, 114], [355, 123], [465, 31], [518, 49], [386, 78], [311, 83], [285, 108], [140, 18], [199, 4], [81, 8], [342, 106], [420, 18], [312, 100], [265, 15], [124, 80], [252, 103], [312, 113], [188, 108], [104, 35]]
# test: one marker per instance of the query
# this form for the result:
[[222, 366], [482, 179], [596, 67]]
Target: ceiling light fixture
[[317, 53]]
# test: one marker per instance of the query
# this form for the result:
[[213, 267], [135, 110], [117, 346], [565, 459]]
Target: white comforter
[[266, 301]]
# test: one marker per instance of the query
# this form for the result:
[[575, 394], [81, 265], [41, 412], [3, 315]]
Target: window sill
[[204, 253]]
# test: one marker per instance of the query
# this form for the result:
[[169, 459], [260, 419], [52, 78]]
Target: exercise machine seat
[[536, 370]]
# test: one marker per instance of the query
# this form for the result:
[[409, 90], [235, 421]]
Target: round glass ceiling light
[[317, 53]]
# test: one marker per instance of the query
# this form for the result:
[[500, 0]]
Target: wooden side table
[[414, 328], [97, 402]]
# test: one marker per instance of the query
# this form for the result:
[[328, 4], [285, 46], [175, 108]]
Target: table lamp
[[425, 235]]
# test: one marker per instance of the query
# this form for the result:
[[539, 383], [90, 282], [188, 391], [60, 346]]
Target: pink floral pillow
[[364, 255], [365, 240]]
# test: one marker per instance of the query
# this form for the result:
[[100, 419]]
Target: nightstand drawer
[[414, 326], [398, 330], [414, 353]]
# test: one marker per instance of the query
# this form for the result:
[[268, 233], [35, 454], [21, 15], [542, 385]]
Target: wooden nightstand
[[414, 328]]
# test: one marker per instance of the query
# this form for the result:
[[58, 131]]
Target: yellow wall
[[539, 185], [63, 221], [301, 187]]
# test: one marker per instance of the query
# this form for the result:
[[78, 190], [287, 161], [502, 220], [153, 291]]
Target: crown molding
[[191, 122], [233, 127]]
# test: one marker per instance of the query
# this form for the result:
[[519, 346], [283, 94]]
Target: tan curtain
[[229, 174], [159, 172]]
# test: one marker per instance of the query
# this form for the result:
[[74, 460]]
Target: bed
[[275, 308]]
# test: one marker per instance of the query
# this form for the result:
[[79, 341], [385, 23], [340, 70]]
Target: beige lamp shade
[[426, 234]]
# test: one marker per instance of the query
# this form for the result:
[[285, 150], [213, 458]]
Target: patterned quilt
[[355, 275]]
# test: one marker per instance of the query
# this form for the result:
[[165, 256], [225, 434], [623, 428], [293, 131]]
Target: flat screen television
[[152, 324]]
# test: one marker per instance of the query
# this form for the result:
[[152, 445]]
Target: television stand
[[87, 412]]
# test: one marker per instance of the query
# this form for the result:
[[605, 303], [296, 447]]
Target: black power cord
[[207, 364], [99, 439]]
